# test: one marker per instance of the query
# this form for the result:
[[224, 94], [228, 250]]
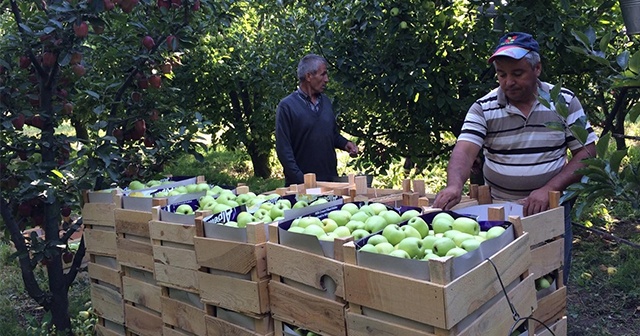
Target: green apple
[[329, 236], [181, 189], [206, 199], [451, 233], [153, 183], [479, 238], [391, 216], [277, 210], [482, 234], [462, 237], [231, 224], [470, 244], [410, 231], [393, 233], [233, 203], [343, 231], [220, 207], [419, 224], [358, 233], [428, 256], [441, 224], [286, 202], [369, 248], [244, 218], [329, 225], [216, 190], [226, 197], [413, 246], [184, 209], [377, 239], [360, 216], [319, 201], [444, 215], [314, 230], [209, 206], [309, 220], [262, 215], [355, 225], [456, 252], [351, 207], [272, 196], [400, 254], [411, 213], [136, 185], [442, 245], [394, 11], [202, 187], [159, 194], [341, 217], [384, 248], [244, 198], [375, 223], [296, 229], [174, 192], [367, 209], [542, 283], [466, 225], [192, 188], [266, 206], [300, 204], [428, 241], [377, 207], [494, 232]]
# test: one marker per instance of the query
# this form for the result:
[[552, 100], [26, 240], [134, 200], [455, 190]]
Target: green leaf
[[603, 145], [555, 91], [634, 113], [616, 159], [555, 125], [623, 59], [599, 59], [579, 132], [578, 50], [634, 63], [582, 38], [604, 41]]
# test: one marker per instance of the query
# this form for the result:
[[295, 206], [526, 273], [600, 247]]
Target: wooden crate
[[223, 322], [301, 287], [142, 302], [99, 222], [174, 254], [233, 279], [182, 313], [105, 327], [546, 230], [471, 304], [106, 288]]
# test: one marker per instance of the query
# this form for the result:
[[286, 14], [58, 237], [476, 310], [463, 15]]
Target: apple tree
[[87, 101]]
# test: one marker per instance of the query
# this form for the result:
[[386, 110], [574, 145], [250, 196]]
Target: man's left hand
[[536, 202], [351, 148]]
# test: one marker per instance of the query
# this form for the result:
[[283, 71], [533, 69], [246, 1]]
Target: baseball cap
[[515, 45]]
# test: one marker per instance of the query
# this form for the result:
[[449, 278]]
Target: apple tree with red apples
[[87, 102]]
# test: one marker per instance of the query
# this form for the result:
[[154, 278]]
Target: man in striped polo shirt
[[524, 159]]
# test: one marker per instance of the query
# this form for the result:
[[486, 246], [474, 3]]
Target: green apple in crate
[[184, 209]]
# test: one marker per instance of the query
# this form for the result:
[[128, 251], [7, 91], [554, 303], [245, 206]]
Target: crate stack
[[233, 280], [306, 289], [103, 268], [175, 270], [470, 304], [546, 231]]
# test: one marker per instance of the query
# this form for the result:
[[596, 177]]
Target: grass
[[600, 301]]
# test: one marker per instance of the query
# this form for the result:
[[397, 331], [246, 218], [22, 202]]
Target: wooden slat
[[100, 242], [547, 258], [544, 225], [100, 214], [176, 277], [142, 322], [559, 329], [105, 274], [177, 257], [142, 293], [183, 316], [107, 303], [230, 256], [239, 295], [218, 327], [308, 311], [178, 233], [134, 253], [304, 267], [132, 222], [551, 307]]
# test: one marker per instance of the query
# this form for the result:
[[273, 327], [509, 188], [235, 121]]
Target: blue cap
[[515, 45]]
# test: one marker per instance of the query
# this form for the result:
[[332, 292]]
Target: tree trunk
[[260, 162]]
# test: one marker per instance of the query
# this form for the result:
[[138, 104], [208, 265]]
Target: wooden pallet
[[105, 327], [99, 222], [182, 313], [471, 304], [223, 322], [142, 302]]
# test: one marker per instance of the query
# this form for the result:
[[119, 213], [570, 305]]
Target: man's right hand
[[447, 198]]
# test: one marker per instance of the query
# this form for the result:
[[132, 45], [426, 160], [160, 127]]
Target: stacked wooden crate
[[104, 270], [385, 303], [306, 289], [546, 230], [233, 280], [175, 270]]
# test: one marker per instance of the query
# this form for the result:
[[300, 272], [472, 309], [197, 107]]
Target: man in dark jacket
[[306, 130]]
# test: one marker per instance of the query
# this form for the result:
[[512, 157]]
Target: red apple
[[140, 126], [164, 4], [155, 81], [117, 133], [143, 83], [67, 108], [79, 70], [24, 209], [148, 42], [136, 96], [18, 122], [67, 257], [37, 121], [154, 115], [25, 62], [149, 143], [128, 5], [49, 59], [167, 68], [81, 29], [98, 28], [65, 211], [76, 58], [172, 43], [62, 93], [108, 5], [196, 5]]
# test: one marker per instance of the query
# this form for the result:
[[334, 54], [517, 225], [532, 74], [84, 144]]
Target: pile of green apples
[[544, 282], [269, 211], [351, 220], [417, 240]]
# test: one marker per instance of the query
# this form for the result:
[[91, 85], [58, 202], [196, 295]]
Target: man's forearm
[[567, 175]]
